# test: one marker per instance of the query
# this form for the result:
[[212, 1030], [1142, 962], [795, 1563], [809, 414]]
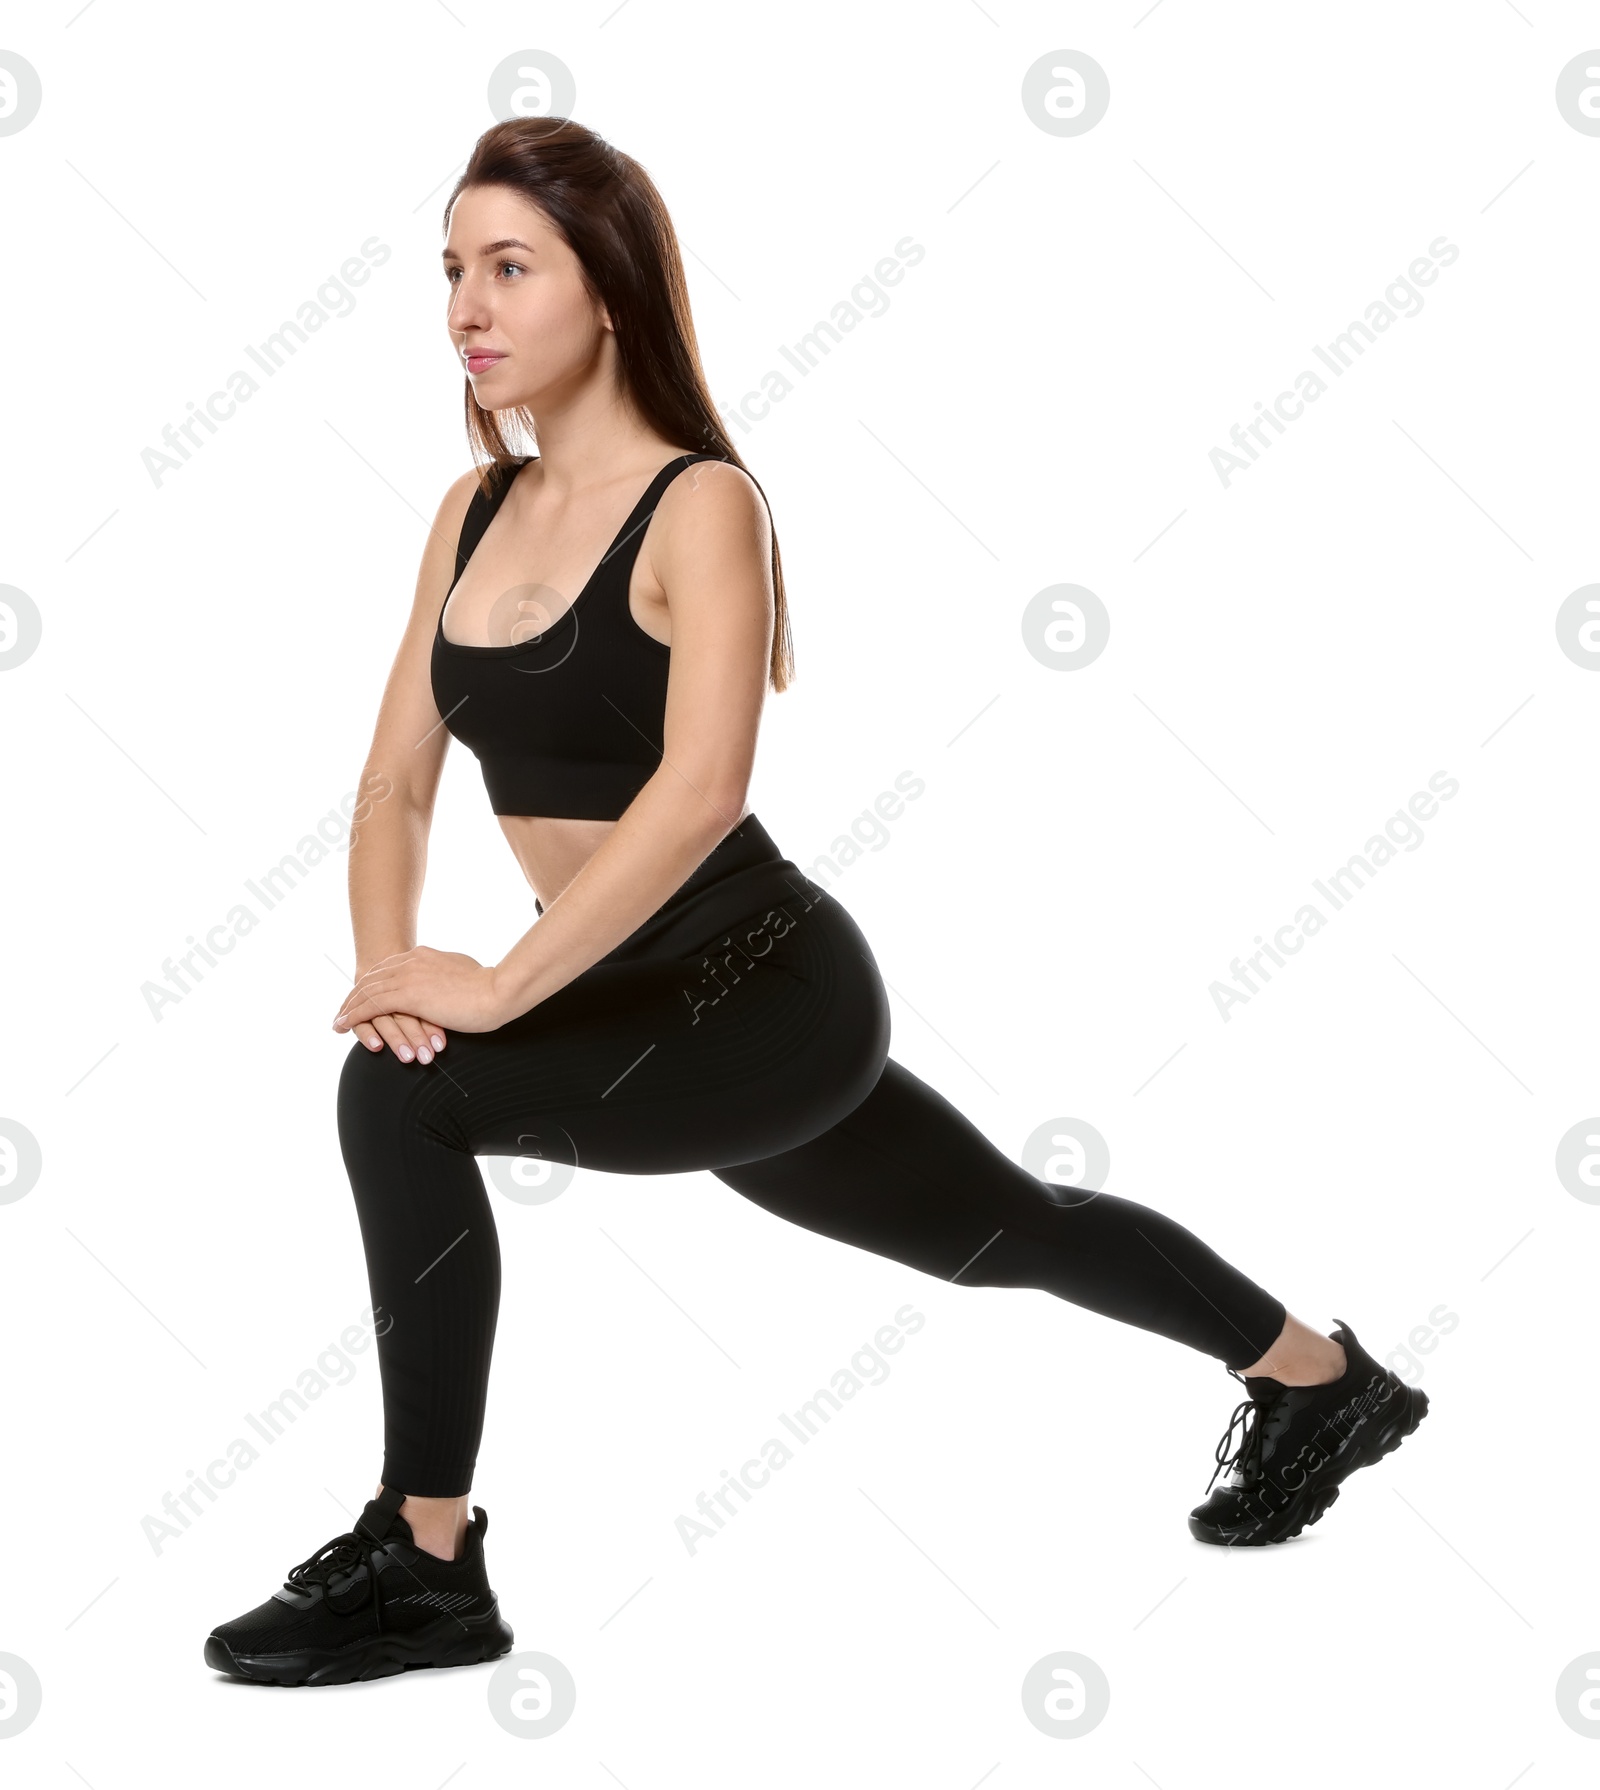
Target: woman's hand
[[410, 1038], [456, 990]]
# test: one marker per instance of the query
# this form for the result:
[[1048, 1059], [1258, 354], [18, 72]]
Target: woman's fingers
[[355, 996], [359, 1007], [416, 1043], [395, 1034], [411, 1039], [383, 1028]]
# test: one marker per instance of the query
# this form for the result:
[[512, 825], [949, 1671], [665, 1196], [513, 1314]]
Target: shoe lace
[[341, 1555], [1247, 1456]]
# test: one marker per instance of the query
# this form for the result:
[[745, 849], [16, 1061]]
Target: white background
[[1372, 1137]]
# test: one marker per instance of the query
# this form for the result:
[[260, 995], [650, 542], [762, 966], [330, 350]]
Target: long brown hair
[[616, 223]]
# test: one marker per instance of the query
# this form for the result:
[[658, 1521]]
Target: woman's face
[[520, 320]]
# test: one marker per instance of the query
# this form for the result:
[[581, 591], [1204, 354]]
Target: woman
[[687, 998]]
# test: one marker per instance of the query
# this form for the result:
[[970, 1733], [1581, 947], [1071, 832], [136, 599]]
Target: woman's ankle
[[1301, 1356], [438, 1525]]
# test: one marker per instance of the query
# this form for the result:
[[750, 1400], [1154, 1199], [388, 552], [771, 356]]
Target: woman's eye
[[454, 273]]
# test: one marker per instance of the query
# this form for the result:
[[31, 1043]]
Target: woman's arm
[[711, 550], [713, 556], [389, 842]]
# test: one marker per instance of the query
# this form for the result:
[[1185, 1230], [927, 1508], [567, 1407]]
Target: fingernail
[[405, 1053], [438, 1042], [424, 1055]]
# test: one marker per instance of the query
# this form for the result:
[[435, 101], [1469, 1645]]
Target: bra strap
[[658, 485], [481, 511], [632, 531]]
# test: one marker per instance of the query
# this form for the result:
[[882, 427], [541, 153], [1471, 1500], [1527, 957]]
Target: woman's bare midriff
[[552, 850]]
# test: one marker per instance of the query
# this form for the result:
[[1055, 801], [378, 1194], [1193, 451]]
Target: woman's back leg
[[908, 1176]]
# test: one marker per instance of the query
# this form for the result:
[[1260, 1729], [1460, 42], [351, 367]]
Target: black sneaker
[[367, 1604], [1298, 1442]]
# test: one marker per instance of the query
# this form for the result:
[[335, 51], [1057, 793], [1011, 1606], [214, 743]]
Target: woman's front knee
[[365, 1069], [375, 1089], [381, 1098]]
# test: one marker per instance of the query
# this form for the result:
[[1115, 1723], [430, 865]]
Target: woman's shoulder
[[711, 515], [715, 494]]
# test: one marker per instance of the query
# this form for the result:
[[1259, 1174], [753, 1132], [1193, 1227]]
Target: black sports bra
[[568, 723]]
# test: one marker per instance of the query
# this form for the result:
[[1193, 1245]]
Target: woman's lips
[[477, 363]]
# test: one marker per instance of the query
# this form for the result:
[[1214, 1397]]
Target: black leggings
[[742, 1029]]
